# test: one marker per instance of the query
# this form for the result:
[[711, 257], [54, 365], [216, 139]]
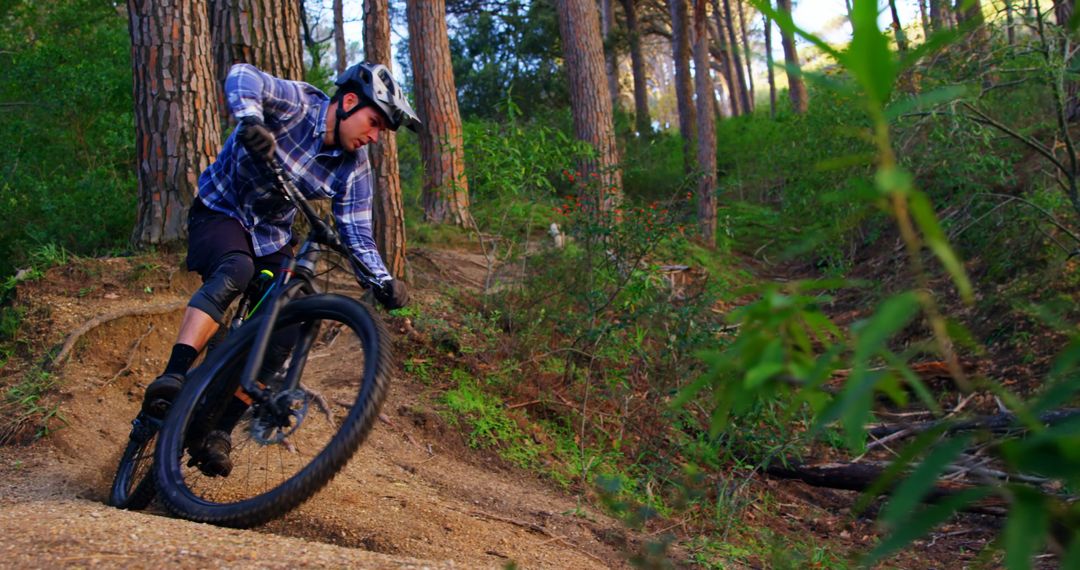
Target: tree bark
[[684, 92], [927, 30], [579, 29], [264, 33], [769, 64], [706, 127], [746, 54], [970, 12], [611, 64], [642, 120], [898, 28], [796, 88], [739, 72], [389, 207], [941, 16], [176, 127], [446, 189], [341, 57], [727, 66]]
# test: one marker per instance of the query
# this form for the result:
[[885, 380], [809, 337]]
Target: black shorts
[[212, 235]]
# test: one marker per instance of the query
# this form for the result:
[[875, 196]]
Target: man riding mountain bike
[[240, 224]]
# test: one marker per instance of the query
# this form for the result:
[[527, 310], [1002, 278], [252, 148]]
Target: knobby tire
[[169, 468]]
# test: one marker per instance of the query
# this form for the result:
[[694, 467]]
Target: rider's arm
[[352, 208], [251, 92]]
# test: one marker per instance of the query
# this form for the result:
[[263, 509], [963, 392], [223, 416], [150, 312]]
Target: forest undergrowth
[[888, 307]]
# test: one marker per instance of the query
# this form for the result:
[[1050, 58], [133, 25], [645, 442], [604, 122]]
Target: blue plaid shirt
[[237, 185]]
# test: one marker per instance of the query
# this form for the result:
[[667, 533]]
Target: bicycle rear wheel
[[133, 484], [279, 459]]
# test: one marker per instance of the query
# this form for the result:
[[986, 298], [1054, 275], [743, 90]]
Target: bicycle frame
[[295, 275]]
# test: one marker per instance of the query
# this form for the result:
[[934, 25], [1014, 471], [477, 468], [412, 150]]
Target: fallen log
[[862, 476], [997, 423]]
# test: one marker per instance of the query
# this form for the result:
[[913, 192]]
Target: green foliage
[[794, 187], [509, 53], [489, 424], [514, 168], [67, 169], [22, 406]]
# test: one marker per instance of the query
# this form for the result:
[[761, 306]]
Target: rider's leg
[[220, 250], [205, 310]]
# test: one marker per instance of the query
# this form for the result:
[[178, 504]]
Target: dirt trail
[[413, 496]]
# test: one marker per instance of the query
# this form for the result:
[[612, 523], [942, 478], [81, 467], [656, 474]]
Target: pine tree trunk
[[341, 58], [684, 91], [706, 148], [389, 207], [264, 33], [176, 128], [898, 28], [607, 25], [927, 30], [1010, 25], [941, 17], [770, 65], [579, 28], [1063, 11], [446, 189], [746, 54], [970, 12], [642, 120], [796, 87], [723, 55], [729, 23]]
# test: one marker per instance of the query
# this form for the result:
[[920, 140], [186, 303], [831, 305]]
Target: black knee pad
[[229, 278]]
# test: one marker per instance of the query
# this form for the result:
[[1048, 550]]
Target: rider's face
[[362, 127]]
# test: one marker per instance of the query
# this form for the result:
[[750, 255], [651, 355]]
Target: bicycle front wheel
[[133, 484], [283, 451]]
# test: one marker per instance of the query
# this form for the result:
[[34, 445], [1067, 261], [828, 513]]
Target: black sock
[[182, 357]]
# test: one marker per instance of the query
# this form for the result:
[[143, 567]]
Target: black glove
[[392, 294], [256, 138]]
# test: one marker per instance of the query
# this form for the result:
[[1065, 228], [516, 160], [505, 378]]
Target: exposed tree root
[[65, 350]]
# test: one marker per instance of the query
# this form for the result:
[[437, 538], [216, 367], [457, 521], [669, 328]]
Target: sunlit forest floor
[[423, 487]]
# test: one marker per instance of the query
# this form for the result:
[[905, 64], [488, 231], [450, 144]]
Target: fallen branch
[[90, 325], [997, 423], [862, 476]]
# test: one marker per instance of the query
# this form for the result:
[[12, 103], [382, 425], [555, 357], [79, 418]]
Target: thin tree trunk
[[746, 53], [264, 33], [796, 87], [341, 57], [642, 120], [726, 63], [1063, 11], [446, 189], [898, 28], [770, 65], [1010, 29], [176, 127], [607, 26], [706, 147], [389, 208], [579, 28], [684, 91], [744, 94], [940, 15], [927, 30]]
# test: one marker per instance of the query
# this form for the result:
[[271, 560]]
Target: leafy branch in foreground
[[787, 349]]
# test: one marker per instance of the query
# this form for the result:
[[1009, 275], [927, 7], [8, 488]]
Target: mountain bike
[[296, 410]]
